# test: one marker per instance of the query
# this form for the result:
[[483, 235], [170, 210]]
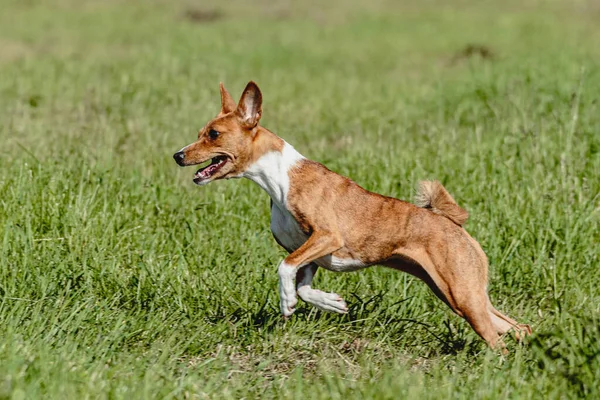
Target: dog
[[323, 219]]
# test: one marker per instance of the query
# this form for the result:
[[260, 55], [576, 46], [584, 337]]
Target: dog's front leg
[[322, 300], [319, 244]]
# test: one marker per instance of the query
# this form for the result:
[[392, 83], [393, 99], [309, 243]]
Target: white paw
[[331, 302], [288, 305]]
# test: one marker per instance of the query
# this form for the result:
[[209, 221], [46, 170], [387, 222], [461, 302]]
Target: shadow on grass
[[368, 317], [571, 351]]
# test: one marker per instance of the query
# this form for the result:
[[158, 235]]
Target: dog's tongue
[[206, 172]]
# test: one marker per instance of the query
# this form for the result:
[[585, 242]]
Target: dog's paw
[[522, 331], [331, 302], [288, 305], [287, 311]]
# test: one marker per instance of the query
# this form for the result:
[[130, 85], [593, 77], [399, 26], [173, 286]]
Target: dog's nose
[[179, 156]]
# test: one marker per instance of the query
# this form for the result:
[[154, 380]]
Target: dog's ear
[[227, 103], [249, 109]]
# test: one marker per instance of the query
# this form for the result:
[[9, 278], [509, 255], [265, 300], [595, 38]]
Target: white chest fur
[[286, 229], [271, 172]]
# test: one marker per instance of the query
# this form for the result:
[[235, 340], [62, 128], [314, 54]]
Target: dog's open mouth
[[208, 171]]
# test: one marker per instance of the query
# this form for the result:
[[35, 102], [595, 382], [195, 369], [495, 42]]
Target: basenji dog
[[323, 219]]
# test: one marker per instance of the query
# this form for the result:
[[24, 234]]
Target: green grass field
[[121, 279]]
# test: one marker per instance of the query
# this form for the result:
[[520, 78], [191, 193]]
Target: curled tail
[[432, 195]]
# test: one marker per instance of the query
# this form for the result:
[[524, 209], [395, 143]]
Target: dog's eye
[[213, 134]]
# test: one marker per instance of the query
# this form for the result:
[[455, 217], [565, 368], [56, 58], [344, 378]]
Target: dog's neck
[[271, 169]]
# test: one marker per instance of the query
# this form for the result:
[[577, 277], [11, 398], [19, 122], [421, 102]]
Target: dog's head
[[225, 144]]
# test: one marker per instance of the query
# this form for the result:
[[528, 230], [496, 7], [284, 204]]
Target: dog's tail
[[433, 196]]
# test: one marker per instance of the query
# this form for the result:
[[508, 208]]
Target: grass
[[121, 279]]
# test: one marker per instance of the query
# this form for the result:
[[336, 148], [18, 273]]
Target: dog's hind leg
[[322, 300], [472, 306], [459, 284], [466, 300]]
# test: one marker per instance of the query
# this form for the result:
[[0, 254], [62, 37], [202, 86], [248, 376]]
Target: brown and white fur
[[326, 220]]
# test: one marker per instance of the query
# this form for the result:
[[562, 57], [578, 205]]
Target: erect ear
[[227, 103], [249, 109]]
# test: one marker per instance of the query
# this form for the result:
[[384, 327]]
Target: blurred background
[[91, 71]]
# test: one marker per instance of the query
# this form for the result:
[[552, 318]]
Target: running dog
[[326, 220]]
